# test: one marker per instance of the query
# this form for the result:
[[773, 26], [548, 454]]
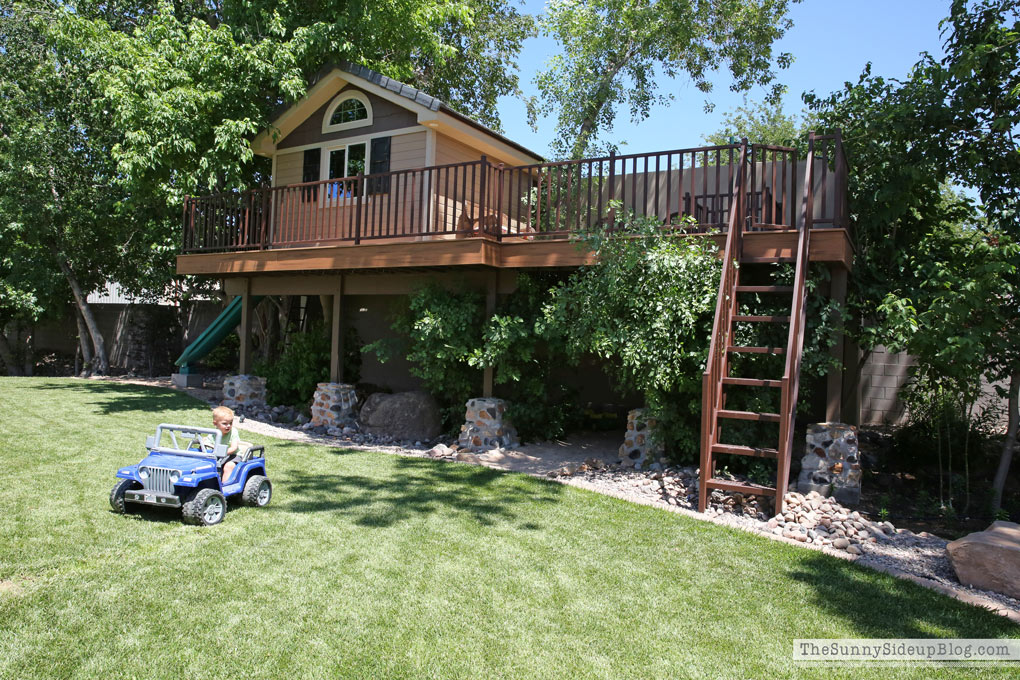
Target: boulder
[[405, 415], [989, 559]]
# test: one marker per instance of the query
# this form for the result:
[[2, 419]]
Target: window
[[347, 161], [350, 109], [370, 157]]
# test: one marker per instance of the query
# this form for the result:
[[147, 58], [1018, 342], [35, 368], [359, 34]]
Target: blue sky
[[831, 41]]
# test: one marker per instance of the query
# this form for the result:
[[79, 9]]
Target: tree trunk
[[603, 92], [1007, 446], [83, 345], [102, 363], [28, 358], [7, 355]]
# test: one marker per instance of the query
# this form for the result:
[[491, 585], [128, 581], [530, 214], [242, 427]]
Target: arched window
[[349, 110]]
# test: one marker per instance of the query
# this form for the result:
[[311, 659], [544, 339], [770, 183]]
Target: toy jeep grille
[[159, 480]]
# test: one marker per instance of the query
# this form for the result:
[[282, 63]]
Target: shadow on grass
[[122, 398], [881, 606], [420, 487]]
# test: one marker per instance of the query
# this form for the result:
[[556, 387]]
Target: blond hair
[[222, 413]]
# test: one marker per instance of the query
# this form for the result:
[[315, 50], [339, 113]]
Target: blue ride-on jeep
[[188, 476]]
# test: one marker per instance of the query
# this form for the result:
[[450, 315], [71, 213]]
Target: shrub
[[304, 362]]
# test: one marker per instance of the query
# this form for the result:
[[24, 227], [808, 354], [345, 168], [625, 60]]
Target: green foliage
[[764, 123], [646, 306], [612, 51], [527, 355], [304, 362]]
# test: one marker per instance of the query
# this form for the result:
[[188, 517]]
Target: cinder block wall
[[882, 376]]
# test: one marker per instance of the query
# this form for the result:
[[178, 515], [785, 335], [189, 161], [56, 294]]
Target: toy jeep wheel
[[257, 491], [117, 494], [206, 508]]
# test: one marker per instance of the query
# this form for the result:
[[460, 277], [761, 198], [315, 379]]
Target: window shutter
[[380, 162], [310, 173]]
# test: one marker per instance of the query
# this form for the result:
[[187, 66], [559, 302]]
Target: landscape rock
[[989, 559], [405, 415]]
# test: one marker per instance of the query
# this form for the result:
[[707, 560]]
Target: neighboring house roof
[[432, 113]]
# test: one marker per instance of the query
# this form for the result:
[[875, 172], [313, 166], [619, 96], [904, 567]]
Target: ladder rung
[[756, 350], [735, 450], [752, 382], [753, 489], [764, 289], [749, 415], [767, 260], [752, 317]]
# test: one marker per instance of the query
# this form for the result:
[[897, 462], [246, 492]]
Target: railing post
[[500, 182], [186, 221], [358, 205], [612, 188], [482, 190]]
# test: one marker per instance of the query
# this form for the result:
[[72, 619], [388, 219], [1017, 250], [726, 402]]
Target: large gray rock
[[989, 559], [405, 415]]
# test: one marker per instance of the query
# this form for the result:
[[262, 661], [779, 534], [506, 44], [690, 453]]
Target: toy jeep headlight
[[174, 476], [143, 473]]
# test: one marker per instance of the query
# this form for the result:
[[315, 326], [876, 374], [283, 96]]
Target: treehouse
[[378, 188]]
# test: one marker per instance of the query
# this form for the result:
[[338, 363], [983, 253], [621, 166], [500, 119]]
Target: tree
[[953, 120], [57, 195], [612, 48], [764, 123]]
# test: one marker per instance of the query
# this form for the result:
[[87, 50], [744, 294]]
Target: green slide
[[220, 328]]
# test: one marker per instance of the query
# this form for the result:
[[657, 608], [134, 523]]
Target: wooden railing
[[478, 198], [716, 364], [798, 315]]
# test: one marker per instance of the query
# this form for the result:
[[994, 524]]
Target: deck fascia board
[[827, 245]]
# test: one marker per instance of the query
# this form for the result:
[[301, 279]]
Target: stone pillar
[[638, 444], [486, 426], [333, 402], [244, 390], [831, 463]]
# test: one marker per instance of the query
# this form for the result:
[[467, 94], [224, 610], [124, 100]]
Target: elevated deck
[[482, 215]]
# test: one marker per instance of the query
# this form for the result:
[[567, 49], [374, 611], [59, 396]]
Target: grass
[[372, 565]]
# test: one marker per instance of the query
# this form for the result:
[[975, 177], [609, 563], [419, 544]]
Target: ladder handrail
[[711, 394], [798, 320]]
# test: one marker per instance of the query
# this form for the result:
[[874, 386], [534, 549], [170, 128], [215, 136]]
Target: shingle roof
[[403, 89]]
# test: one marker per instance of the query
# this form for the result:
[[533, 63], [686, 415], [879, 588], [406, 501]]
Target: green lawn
[[372, 565]]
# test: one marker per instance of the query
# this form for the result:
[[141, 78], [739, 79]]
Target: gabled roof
[[432, 112]]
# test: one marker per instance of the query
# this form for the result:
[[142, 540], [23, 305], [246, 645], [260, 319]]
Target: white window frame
[[327, 150], [337, 101]]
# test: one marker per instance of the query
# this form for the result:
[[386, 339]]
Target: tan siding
[[407, 151], [449, 150], [288, 168]]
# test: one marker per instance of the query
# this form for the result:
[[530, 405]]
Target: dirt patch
[[10, 588]]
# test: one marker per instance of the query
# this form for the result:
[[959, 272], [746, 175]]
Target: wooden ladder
[[717, 378]]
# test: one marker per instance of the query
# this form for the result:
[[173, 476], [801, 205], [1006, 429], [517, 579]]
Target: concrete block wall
[[882, 377]]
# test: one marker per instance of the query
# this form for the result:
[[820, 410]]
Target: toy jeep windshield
[[182, 470]]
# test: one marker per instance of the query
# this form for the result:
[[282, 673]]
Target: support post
[[245, 331], [336, 352], [490, 309], [834, 381]]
